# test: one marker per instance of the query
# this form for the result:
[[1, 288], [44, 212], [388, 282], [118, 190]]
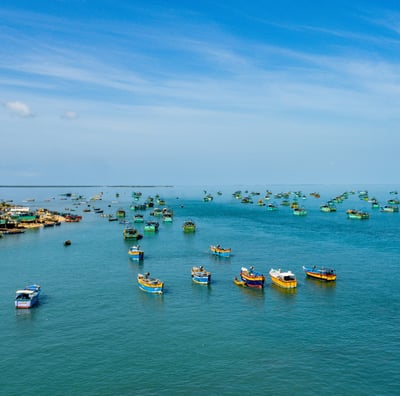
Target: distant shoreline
[[74, 186]]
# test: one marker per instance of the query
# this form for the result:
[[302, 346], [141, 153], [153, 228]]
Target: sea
[[95, 332]]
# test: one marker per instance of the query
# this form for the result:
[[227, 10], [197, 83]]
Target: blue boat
[[150, 285], [219, 251], [201, 276], [135, 253], [27, 297]]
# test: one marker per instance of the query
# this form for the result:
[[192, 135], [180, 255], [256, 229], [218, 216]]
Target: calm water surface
[[96, 333]]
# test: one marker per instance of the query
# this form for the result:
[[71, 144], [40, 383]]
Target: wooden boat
[[208, 198], [138, 218], [327, 208], [121, 213], [239, 282], [252, 278], [325, 274], [131, 233], [150, 285], [27, 297], [70, 218], [260, 202], [135, 253], [389, 209], [189, 226], [201, 276], [151, 226], [286, 279], [219, 251], [157, 212], [357, 214], [167, 218], [12, 231], [299, 212]]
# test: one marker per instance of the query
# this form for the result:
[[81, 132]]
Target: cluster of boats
[[285, 279], [155, 286], [248, 277]]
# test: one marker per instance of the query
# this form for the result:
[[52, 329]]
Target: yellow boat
[[239, 282], [286, 279]]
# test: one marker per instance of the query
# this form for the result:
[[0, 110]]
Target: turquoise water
[[96, 333]]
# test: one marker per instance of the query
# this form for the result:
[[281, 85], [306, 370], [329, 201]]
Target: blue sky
[[199, 92]]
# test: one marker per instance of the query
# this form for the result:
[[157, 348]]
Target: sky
[[199, 92]]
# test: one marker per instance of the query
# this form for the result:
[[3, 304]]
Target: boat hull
[[252, 279], [136, 256], [201, 279], [151, 289], [285, 284], [286, 280], [26, 304]]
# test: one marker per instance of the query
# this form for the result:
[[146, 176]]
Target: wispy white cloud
[[69, 115], [19, 109]]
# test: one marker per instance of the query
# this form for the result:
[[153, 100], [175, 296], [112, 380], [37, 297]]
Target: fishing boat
[[208, 198], [328, 208], [167, 218], [357, 214], [252, 278], [71, 218], [286, 279], [189, 226], [272, 207], [299, 211], [135, 253], [138, 218], [131, 232], [325, 274], [151, 226], [150, 285], [219, 251], [201, 276], [27, 297], [121, 213], [389, 209], [239, 282]]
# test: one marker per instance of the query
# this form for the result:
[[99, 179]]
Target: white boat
[[27, 297], [285, 279]]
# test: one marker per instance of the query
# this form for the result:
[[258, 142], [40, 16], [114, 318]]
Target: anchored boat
[[150, 285], [189, 226], [27, 297], [325, 274], [283, 279], [131, 232], [219, 251], [135, 253], [201, 276], [252, 278]]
